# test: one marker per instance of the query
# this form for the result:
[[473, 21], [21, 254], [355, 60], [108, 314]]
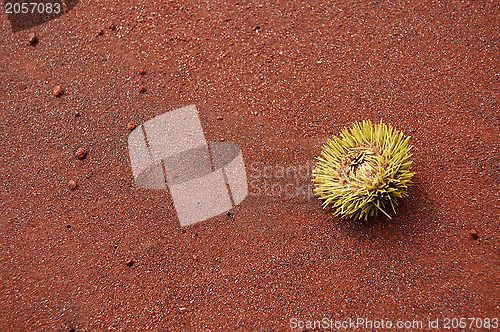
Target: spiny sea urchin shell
[[363, 171]]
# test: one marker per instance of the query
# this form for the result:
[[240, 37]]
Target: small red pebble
[[129, 262], [81, 153], [473, 234], [57, 90], [33, 39], [100, 32], [71, 184], [112, 26], [142, 89], [131, 126], [142, 72]]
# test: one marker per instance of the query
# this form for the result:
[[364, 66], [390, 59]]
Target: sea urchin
[[364, 171]]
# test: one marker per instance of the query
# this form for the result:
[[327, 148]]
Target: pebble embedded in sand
[[473, 234], [71, 184], [131, 126], [33, 39], [58, 90], [81, 153]]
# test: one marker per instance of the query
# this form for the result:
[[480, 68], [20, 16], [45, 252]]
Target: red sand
[[283, 75]]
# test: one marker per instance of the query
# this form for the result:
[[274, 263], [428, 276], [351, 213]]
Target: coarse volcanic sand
[[284, 76]]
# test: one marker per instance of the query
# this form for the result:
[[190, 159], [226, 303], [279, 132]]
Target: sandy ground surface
[[276, 78]]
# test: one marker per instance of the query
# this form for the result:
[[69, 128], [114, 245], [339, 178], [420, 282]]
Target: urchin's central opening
[[361, 167]]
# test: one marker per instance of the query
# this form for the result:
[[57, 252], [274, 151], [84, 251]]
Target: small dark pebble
[[100, 32], [142, 89], [473, 234], [33, 39], [81, 153], [129, 262], [229, 214], [219, 117], [142, 72]]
